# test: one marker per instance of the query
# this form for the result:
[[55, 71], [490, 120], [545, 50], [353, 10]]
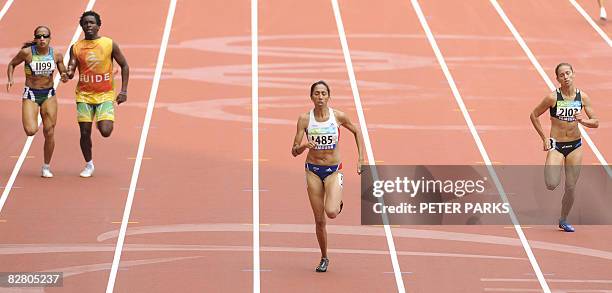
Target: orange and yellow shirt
[[95, 84]]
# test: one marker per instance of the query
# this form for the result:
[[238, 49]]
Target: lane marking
[[546, 274], [5, 8], [251, 160], [127, 188], [550, 280], [130, 222], [492, 162], [255, 142], [483, 152], [141, 148], [590, 20], [366, 137]]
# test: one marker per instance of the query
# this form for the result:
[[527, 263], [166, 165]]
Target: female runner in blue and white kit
[[565, 105], [40, 63], [323, 178]]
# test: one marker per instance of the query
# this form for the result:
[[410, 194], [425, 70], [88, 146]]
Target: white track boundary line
[[592, 22], [5, 8], [366, 137], [30, 139], [141, 147], [255, 142], [548, 81], [451, 82]]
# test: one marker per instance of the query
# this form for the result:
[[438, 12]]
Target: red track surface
[[190, 227]]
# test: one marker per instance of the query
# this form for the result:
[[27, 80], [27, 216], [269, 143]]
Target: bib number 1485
[[323, 139]]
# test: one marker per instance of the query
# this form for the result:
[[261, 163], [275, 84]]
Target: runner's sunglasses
[[38, 37]]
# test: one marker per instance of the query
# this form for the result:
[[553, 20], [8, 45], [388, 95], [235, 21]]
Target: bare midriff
[[564, 131]]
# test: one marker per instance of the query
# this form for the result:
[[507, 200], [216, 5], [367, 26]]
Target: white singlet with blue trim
[[325, 134]]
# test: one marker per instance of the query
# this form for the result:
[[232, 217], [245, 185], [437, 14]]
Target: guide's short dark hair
[[91, 13]]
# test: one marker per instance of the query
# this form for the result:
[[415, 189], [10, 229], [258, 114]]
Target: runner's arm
[[20, 57], [125, 72], [298, 147], [59, 61], [592, 121], [546, 103], [72, 64], [346, 122]]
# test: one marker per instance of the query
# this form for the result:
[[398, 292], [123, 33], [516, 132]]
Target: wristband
[[123, 93]]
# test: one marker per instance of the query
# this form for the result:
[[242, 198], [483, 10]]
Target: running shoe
[[322, 268], [87, 171], [565, 226], [45, 172], [602, 14]]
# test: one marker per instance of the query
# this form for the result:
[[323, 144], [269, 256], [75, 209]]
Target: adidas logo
[[328, 170]]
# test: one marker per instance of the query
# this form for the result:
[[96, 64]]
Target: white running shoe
[[45, 172], [602, 14], [87, 171]]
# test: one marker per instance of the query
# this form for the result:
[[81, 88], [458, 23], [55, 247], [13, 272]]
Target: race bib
[[42, 67], [324, 141], [567, 109]]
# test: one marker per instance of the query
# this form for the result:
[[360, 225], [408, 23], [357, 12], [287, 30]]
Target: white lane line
[[5, 8], [557, 290], [30, 139], [546, 79], [481, 148], [255, 142], [550, 280], [141, 147], [592, 22], [366, 137]]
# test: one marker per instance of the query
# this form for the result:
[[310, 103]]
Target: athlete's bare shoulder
[[27, 51], [340, 117], [584, 94], [304, 118], [339, 113], [551, 98]]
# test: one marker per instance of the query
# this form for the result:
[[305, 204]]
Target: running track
[[191, 221]]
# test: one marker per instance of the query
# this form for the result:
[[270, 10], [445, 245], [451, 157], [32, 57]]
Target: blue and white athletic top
[[325, 134], [41, 65]]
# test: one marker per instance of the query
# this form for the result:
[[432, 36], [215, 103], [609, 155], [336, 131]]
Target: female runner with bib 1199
[[40, 60]]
